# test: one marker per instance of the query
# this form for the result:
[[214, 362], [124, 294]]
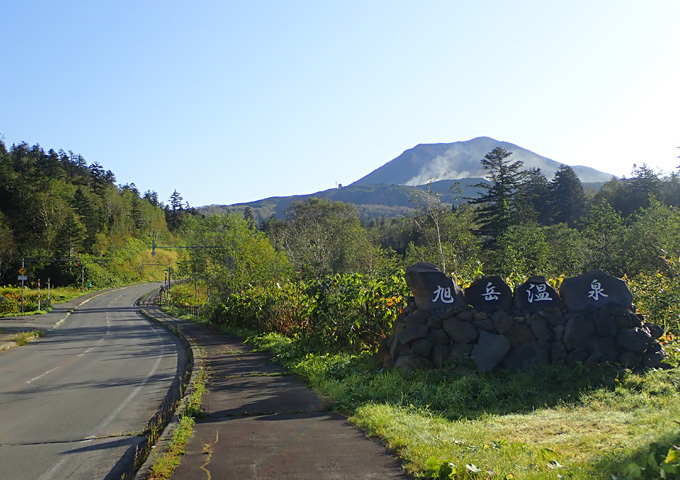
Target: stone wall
[[591, 320]]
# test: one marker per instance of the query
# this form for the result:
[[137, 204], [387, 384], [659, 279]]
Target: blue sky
[[230, 102]]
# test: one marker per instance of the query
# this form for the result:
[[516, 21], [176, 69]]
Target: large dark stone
[[489, 351], [536, 295], [486, 324], [396, 348], [558, 354], [489, 294], [595, 359], [578, 355], [606, 326], [655, 331], [595, 288], [503, 324], [520, 334], [653, 359], [432, 288], [438, 337], [540, 328], [413, 332], [421, 347], [630, 359], [460, 332], [635, 340], [604, 345], [526, 355], [577, 333]]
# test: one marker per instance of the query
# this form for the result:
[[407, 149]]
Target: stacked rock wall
[[592, 320]]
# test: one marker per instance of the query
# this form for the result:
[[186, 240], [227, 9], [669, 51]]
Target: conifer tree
[[566, 197], [498, 206]]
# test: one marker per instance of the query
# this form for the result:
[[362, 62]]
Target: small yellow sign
[[22, 271]]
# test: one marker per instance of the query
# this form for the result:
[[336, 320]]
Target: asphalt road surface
[[74, 403]]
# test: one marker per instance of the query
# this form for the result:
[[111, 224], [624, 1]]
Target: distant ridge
[[452, 161], [387, 192]]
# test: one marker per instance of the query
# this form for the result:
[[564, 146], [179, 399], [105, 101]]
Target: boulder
[[489, 351], [526, 355], [503, 324], [577, 355], [595, 288], [421, 347], [635, 340], [535, 295], [460, 332], [653, 359], [539, 326], [654, 330], [578, 332], [520, 334], [486, 324], [606, 325], [489, 294], [438, 337], [431, 288], [413, 332], [630, 360], [604, 345]]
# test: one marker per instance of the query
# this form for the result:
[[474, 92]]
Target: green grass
[[24, 337], [165, 464], [544, 423]]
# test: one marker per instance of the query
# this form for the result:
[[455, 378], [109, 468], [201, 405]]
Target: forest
[[69, 221], [319, 290]]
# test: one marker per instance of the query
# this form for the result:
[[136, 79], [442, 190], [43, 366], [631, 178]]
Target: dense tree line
[[55, 207], [522, 224]]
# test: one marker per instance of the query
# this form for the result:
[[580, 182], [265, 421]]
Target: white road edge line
[[41, 375]]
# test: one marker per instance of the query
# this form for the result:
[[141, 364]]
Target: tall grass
[[545, 422]]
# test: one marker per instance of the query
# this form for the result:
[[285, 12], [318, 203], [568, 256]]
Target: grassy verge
[[546, 423], [165, 464], [24, 337], [10, 299]]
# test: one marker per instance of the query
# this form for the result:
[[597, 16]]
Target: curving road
[[73, 403]]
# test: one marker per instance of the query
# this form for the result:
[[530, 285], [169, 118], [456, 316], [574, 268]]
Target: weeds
[[544, 423], [24, 337], [164, 465]]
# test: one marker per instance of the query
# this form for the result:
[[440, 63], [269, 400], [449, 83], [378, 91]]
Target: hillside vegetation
[[68, 221], [319, 288]]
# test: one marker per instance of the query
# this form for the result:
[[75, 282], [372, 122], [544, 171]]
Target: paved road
[[73, 403]]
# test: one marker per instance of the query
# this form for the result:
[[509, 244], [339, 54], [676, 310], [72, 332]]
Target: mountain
[[450, 161], [387, 192]]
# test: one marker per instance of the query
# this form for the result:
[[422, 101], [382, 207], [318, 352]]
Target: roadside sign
[[22, 271], [23, 277]]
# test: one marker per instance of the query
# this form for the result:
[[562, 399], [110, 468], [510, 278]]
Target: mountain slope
[[388, 191], [450, 161]]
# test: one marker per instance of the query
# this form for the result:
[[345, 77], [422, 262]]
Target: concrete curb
[[194, 365]]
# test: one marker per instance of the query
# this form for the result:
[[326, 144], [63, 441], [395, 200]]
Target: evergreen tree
[[69, 237], [533, 199], [498, 206], [88, 216], [566, 197]]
